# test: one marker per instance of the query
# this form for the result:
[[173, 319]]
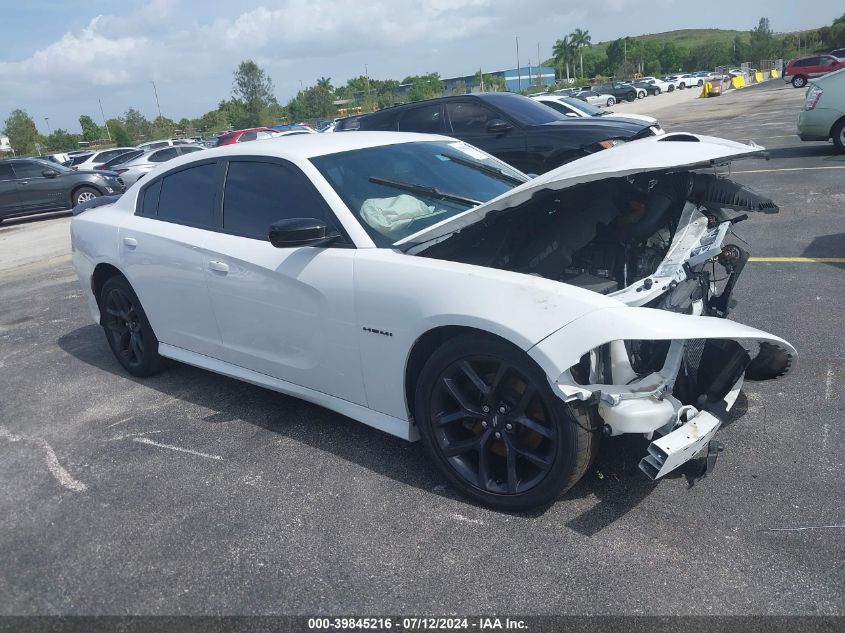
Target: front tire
[[492, 425], [838, 135], [128, 331], [671, 87], [611, 101], [799, 81], [630, 97], [84, 194], [657, 92]]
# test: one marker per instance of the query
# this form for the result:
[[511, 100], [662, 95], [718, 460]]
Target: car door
[[469, 120], [160, 253], [9, 201], [285, 312], [36, 191]]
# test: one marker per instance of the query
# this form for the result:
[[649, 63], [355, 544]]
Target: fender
[[561, 350]]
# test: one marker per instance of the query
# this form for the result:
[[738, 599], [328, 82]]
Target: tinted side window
[[163, 155], [28, 169], [425, 119], [380, 122], [187, 196], [188, 149], [469, 118], [6, 172], [258, 194], [149, 200], [248, 136]]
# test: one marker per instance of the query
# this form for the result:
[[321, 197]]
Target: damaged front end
[[660, 239]]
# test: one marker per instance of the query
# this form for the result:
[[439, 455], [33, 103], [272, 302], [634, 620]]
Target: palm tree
[[325, 82], [563, 51], [580, 39]]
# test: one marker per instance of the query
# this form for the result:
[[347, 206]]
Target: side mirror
[[49, 173], [497, 126], [300, 232]]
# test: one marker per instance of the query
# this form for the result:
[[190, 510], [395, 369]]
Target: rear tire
[[611, 101], [838, 135], [671, 88], [631, 96], [657, 92], [128, 331], [493, 427], [799, 81]]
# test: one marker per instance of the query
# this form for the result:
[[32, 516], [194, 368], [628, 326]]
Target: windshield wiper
[[485, 169], [423, 189]]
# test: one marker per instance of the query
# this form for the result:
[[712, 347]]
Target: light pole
[[158, 105], [518, 72], [102, 114], [47, 121]]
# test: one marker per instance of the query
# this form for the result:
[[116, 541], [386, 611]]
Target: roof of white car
[[310, 145]]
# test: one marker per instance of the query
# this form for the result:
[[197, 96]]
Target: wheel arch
[[840, 120], [427, 343], [102, 273]]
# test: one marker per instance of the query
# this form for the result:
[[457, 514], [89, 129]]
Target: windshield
[[397, 190], [583, 106]]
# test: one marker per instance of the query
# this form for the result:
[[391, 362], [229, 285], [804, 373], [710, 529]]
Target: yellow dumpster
[[775, 74], [758, 76], [738, 82]]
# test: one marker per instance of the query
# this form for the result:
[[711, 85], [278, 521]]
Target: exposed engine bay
[[616, 234]]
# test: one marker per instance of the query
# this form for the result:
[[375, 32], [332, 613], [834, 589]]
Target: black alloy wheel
[[127, 329], [631, 96], [491, 423]]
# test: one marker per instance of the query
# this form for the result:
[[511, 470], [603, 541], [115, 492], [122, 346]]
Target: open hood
[[672, 152]]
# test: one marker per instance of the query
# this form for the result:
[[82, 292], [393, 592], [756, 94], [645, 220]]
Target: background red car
[[806, 68], [242, 136]]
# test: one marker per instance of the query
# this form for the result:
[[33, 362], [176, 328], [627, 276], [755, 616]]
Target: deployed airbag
[[392, 215]]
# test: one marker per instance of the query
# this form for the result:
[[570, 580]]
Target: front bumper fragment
[[678, 447]]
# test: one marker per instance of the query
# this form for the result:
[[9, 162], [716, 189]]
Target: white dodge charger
[[427, 289]]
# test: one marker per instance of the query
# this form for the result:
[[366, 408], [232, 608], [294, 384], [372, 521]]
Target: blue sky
[[58, 57]]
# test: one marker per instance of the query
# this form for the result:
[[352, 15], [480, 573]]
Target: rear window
[[187, 196], [222, 140]]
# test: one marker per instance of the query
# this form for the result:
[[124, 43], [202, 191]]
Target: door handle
[[130, 242], [218, 267]]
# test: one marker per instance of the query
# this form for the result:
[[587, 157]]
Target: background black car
[[32, 185], [651, 89], [513, 128], [619, 90]]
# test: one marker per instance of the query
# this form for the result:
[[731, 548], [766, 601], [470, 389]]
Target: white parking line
[[765, 171], [145, 440]]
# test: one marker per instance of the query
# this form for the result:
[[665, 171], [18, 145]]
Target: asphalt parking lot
[[190, 493]]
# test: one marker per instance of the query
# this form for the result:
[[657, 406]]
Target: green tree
[[22, 133], [579, 40], [252, 88], [762, 44], [61, 140], [672, 57], [564, 52], [137, 125], [90, 130], [427, 86], [492, 83], [162, 127], [119, 134], [709, 55]]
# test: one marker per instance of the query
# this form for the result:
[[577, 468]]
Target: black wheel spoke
[[459, 397], [453, 416], [461, 447], [512, 476], [474, 377], [116, 313], [497, 380], [524, 400], [535, 426], [135, 344], [484, 460], [538, 461]]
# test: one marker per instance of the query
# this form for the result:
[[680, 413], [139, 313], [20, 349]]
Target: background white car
[[576, 108], [595, 98], [103, 156], [423, 287], [665, 86]]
